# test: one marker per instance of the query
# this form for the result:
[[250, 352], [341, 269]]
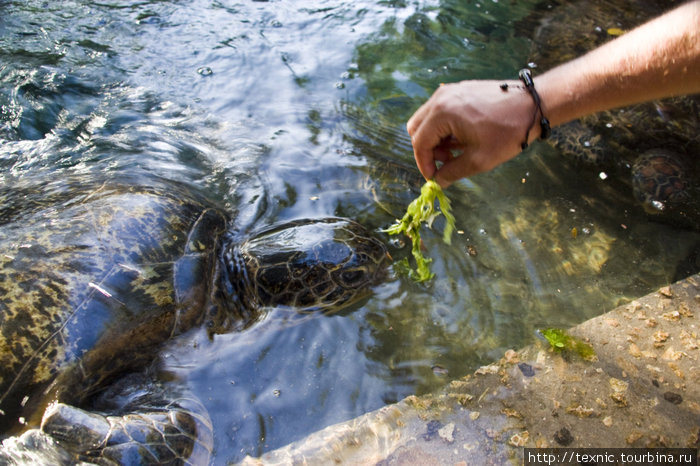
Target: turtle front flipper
[[149, 423], [171, 435], [33, 447]]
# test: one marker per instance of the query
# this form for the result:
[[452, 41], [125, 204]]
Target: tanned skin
[[486, 126]]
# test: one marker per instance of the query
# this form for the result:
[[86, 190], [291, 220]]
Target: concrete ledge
[[641, 390]]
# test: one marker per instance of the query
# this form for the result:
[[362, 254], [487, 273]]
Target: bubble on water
[[205, 71], [658, 205]]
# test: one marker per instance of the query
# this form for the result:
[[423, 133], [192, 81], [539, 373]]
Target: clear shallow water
[[278, 111]]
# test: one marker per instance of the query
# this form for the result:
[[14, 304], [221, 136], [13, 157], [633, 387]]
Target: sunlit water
[[279, 111]]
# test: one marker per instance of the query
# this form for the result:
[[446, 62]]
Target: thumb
[[454, 169]]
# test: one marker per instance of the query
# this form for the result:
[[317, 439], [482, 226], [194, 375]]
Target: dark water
[[281, 110]]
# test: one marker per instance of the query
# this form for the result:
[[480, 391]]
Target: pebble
[[520, 439], [431, 429], [526, 369], [511, 356], [563, 437], [580, 411], [447, 432], [633, 437]]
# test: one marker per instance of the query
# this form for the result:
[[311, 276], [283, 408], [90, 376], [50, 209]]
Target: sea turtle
[[659, 177], [653, 147], [649, 149], [90, 287]]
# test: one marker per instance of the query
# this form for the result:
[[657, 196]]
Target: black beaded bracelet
[[526, 78]]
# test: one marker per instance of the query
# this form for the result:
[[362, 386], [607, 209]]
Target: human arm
[[487, 125]]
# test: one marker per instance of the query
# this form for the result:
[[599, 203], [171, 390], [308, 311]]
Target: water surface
[[277, 111]]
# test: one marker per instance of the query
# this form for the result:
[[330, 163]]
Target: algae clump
[[422, 210], [562, 341]]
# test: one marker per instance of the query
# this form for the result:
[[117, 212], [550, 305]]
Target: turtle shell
[[91, 287], [580, 143], [660, 178]]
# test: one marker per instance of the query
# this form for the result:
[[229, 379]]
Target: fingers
[[451, 171], [448, 148], [428, 149], [422, 151], [474, 118], [423, 144], [454, 165], [432, 140], [435, 138], [417, 119]]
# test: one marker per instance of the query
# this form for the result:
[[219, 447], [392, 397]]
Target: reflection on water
[[280, 111]]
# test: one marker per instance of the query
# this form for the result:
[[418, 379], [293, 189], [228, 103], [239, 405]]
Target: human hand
[[470, 127]]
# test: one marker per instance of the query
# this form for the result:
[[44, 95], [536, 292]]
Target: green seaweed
[[422, 210], [562, 341]]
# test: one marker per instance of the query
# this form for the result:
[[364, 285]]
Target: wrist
[[538, 118], [528, 108]]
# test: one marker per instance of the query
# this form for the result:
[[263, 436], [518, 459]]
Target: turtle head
[[307, 264]]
